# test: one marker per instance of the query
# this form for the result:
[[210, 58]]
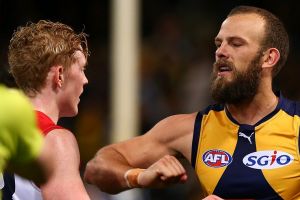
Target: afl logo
[[216, 158], [267, 159]]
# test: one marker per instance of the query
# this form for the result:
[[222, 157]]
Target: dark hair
[[275, 33]]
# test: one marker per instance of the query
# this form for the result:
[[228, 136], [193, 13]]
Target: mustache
[[223, 63]]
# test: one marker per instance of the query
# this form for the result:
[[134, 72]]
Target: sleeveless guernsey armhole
[[297, 112], [196, 136], [292, 108], [298, 140]]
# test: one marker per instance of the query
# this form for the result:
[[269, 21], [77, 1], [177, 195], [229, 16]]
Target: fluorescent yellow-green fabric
[[20, 139]]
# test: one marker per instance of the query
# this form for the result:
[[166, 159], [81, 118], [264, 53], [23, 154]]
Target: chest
[[240, 161]]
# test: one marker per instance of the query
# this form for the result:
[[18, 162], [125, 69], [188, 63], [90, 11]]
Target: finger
[[183, 178], [175, 166], [170, 165], [177, 177], [170, 168], [180, 169]]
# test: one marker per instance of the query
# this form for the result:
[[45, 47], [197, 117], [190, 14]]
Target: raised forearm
[[106, 170], [112, 173]]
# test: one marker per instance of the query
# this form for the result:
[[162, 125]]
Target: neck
[[44, 103], [250, 112]]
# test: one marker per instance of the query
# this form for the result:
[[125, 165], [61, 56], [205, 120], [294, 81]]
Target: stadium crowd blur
[[177, 51]]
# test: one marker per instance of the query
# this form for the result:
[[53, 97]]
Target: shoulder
[[177, 122], [291, 107], [173, 131], [62, 137], [64, 144], [214, 107]]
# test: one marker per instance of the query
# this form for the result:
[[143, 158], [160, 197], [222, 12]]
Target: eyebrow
[[231, 38]]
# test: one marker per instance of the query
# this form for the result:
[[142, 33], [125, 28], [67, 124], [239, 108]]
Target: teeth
[[224, 69]]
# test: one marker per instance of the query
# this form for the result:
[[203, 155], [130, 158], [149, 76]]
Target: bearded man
[[244, 147]]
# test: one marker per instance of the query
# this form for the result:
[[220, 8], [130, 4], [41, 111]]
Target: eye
[[237, 44], [218, 44]]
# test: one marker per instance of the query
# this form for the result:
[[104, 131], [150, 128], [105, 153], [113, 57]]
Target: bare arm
[[154, 151], [43, 166], [212, 197], [65, 181]]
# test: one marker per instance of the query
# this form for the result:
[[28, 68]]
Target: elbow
[[91, 172], [97, 173]]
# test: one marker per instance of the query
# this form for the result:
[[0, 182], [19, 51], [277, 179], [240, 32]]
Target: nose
[[85, 80], [222, 51]]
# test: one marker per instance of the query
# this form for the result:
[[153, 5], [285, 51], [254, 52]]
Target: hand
[[166, 171], [212, 197]]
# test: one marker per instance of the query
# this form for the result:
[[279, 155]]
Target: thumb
[[183, 178]]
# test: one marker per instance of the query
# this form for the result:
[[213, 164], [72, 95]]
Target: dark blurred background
[[177, 52]]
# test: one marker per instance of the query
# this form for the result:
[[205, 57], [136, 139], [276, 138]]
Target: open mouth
[[224, 68]]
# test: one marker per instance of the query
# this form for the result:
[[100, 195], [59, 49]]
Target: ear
[[58, 75], [270, 58]]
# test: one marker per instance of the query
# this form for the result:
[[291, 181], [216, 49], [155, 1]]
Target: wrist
[[131, 177]]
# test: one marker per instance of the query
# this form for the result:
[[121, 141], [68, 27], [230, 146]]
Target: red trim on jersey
[[45, 123]]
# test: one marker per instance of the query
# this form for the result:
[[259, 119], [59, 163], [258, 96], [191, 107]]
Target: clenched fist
[[168, 170]]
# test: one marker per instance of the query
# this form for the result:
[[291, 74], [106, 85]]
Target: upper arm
[[171, 136], [64, 144], [65, 181]]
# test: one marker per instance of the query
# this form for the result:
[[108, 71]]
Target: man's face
[[243, 84], [74, 81], [236, 73]]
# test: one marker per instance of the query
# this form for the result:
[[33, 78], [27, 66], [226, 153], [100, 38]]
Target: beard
[[242, 87]]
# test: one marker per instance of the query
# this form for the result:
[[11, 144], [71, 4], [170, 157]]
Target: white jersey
[[26, 190]]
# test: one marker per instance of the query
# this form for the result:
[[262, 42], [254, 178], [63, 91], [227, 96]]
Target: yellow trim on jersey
[[280, 132], [216, 140]]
